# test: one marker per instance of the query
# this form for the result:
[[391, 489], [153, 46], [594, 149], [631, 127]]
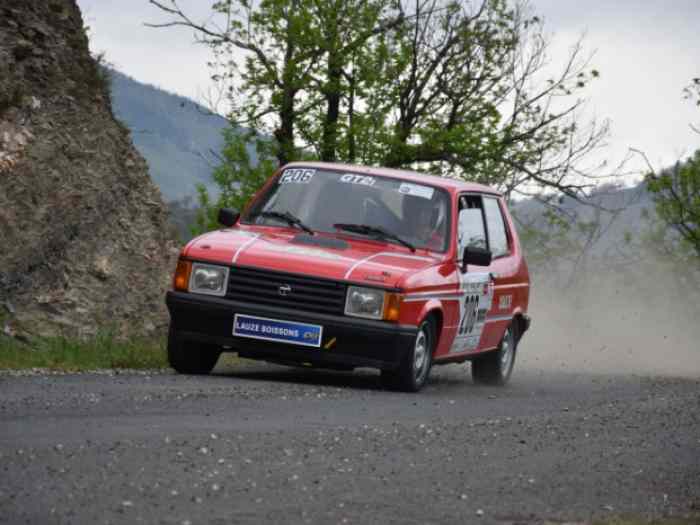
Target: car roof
[[412, 176]]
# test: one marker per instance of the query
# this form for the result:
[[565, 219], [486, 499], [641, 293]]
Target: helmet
[[424, 214]]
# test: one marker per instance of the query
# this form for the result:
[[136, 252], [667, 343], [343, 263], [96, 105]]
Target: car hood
[[358, 261]]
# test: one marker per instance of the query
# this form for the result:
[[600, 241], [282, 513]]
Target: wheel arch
[[436, 314], [521, 322]]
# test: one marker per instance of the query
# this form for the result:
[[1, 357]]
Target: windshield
[[417, 213]]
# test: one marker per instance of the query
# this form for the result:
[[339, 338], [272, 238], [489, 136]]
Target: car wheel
[[187, 357], [496, 367], [413, 371]]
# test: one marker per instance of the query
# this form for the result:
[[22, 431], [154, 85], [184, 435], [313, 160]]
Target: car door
[[475, 287], [503, 270]]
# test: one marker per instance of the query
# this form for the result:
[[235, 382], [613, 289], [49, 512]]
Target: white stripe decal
[[497, 318], [515, 285], [390, 254], [434, 293], [406, 256], [244, 246], [358, 263], [426, 297]]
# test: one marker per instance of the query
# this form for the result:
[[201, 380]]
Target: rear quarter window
[[498, 238]]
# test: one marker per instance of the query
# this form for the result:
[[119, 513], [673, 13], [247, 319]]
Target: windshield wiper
[[289, 218], [365, 229]]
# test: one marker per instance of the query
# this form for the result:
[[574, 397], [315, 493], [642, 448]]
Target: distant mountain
[[171, 132], [620, 211]]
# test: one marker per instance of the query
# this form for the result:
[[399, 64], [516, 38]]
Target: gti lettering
[[357, 179]]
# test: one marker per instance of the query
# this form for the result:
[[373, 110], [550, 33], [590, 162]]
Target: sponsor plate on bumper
[[277, 330]]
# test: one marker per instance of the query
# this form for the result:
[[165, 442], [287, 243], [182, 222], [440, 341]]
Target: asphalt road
[[262, 443]]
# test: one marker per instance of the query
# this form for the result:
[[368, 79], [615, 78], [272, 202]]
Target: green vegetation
[[104, 350], [676, 194], [97, 75], [452, 88], [237, 177]]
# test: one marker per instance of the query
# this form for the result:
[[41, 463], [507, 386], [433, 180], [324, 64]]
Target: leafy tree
[[675, 229], [441, 86], [182, 215], [677, 198], [237, 176], [692, 92]]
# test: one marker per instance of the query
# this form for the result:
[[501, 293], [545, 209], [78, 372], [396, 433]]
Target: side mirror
[[228, 217], [475, 256]]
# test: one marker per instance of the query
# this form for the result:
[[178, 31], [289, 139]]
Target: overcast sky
[[646, 51]]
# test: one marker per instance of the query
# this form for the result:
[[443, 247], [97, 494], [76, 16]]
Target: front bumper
[[358, 342]]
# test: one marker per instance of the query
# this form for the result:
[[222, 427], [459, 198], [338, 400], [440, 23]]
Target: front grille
[[309, 294]]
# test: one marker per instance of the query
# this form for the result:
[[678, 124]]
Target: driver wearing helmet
[[425, 217]]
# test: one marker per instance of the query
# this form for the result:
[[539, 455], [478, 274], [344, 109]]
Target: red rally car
[[342, 266]]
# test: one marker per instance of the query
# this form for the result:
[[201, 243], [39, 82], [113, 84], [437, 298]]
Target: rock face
[[84, 239]]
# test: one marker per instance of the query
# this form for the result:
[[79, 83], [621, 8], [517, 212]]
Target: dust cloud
[[643, 321]]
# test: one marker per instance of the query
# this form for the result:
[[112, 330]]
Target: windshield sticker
[[299, 176], [416, 190], [351, 178]]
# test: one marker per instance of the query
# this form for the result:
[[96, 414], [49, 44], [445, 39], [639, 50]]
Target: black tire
[[497, 367], [413, 372], [187, 357]]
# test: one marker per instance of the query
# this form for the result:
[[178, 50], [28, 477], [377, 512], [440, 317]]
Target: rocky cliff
[[84, 240]]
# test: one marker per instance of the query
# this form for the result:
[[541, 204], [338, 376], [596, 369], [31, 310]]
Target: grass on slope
[[104, 350]]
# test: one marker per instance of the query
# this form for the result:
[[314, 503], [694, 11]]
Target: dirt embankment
[[83, 230]]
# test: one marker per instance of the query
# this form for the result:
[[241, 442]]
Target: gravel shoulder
[[265, 443]]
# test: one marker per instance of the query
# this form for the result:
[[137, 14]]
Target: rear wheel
[[496, 367], [413, 371], [187, 357]]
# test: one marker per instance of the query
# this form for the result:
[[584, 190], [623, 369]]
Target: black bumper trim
[[358, 342]]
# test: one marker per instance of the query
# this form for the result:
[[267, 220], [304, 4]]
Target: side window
[[498, 239], [470, 229]]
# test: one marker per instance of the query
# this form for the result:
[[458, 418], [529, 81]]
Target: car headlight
[[365, 302], [208, 279]]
